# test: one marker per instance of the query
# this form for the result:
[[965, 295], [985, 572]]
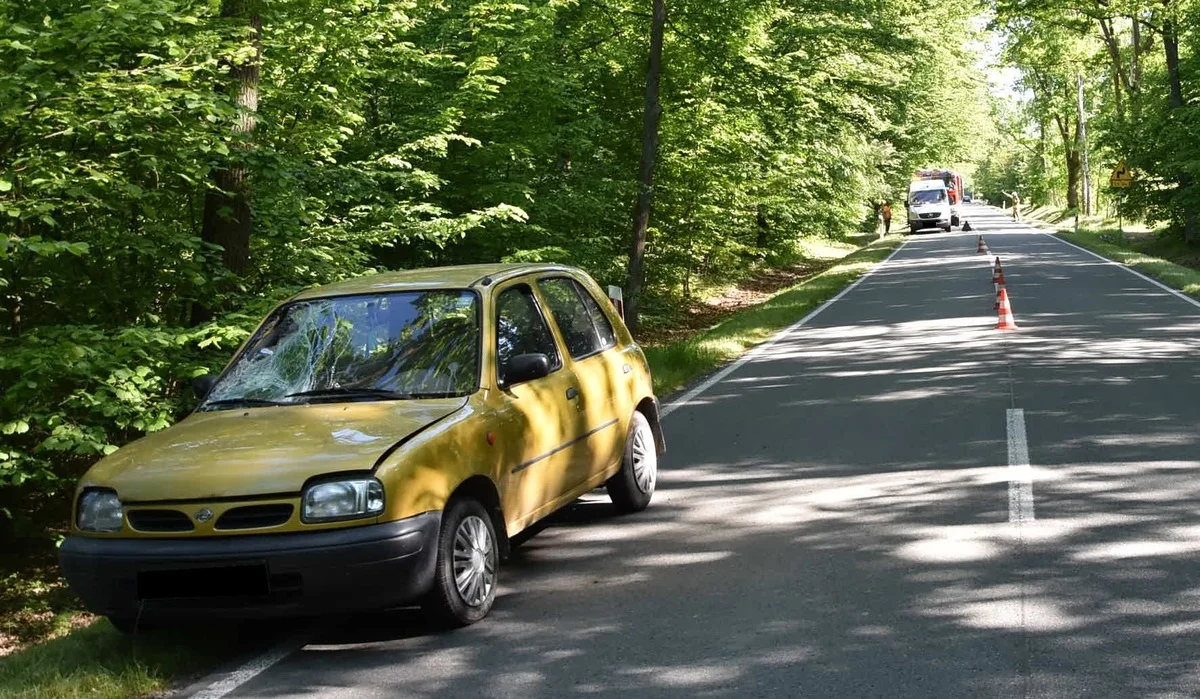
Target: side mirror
[[526, 367], [202, 385]]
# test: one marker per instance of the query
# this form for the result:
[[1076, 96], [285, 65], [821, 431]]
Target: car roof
[[457, 277], [919, 185]]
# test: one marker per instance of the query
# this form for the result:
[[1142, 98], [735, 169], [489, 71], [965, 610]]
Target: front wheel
[[632, 487], [468, 561]]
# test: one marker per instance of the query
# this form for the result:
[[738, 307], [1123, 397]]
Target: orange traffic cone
[[1006, 316], [982, 247]]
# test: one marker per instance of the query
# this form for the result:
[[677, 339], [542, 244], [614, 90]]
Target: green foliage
[[404, 134], [1121, 51]]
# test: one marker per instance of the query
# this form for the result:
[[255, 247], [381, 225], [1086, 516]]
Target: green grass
[[677, 364], [98, 662], [1109, 244]]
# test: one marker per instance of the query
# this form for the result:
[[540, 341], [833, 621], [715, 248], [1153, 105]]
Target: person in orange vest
[[887, 217]]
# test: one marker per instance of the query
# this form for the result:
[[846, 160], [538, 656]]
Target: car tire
[[632, 487], [467, 551], [954, 221], [946, 228], [914, 229]]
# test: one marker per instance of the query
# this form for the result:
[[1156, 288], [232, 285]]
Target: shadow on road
[[833, 518]]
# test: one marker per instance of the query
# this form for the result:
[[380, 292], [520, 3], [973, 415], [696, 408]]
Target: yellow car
[[375, 442]]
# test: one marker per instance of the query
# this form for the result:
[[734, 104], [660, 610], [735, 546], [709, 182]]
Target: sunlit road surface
[[855, 513]]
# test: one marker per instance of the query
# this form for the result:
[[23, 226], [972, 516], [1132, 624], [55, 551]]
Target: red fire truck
[[954, 184]]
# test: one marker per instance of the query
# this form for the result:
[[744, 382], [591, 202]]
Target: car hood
[[261, 451]]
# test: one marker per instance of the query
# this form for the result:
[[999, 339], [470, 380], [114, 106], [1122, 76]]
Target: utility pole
[[1081, 133]]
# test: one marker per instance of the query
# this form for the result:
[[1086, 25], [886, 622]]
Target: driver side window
[[521, 329]]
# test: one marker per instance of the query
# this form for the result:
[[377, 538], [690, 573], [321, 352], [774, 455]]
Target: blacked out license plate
[[224, 581]]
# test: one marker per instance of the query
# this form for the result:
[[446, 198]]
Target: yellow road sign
[[1121, 177]]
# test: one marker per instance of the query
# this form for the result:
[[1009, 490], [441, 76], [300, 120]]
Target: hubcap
[[645, 459], [474, 561]]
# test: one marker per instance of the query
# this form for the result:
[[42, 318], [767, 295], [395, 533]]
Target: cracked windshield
[[402, 345]]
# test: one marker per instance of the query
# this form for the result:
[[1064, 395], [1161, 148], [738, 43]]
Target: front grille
[[159, 521], [933, 215], [255, 517]]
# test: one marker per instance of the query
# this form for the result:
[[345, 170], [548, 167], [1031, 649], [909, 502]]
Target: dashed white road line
[[760, 349], [1020, 472]]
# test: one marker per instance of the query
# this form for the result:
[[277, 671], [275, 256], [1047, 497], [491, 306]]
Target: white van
[[929, 205]]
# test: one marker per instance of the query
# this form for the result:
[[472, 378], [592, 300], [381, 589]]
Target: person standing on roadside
[[1016, 203], [887, 217]]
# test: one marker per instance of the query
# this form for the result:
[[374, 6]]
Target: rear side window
[[584, 327], [521, 329], [604, 329]]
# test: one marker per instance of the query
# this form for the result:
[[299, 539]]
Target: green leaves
[[402, 134]]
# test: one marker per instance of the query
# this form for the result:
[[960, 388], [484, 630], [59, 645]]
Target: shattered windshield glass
[[371, 347]]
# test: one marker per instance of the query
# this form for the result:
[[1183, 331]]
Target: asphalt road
[[839, 516]]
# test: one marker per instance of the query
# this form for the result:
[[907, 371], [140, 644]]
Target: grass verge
[[676, 364], [98, 662], [1107, 243]]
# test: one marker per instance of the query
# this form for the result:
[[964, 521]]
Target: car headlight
[[344, 499], [99, 511]]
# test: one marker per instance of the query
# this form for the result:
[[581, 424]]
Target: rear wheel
[[468, 561], [632, 487]]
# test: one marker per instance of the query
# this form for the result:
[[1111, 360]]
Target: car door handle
[[572, 393]]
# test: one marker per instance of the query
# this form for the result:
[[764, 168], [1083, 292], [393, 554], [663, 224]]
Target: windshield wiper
[[239, 401], [350, 393]]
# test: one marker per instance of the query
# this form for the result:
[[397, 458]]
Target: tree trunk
[[645, 199], [1073, 173], [1171, 49], [1119, 77], [1170, 39], [764, 228], [1082, 146], [227, 217], [1135, 61]]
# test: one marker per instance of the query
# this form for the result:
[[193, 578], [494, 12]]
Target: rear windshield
[[928, 196]]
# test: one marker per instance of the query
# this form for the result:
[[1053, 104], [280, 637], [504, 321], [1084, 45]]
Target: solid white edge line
[[1020, 473], [252, 668], [754, 352], [1127, 268]]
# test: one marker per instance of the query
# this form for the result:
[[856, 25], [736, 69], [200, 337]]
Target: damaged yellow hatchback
[[376, 442]]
